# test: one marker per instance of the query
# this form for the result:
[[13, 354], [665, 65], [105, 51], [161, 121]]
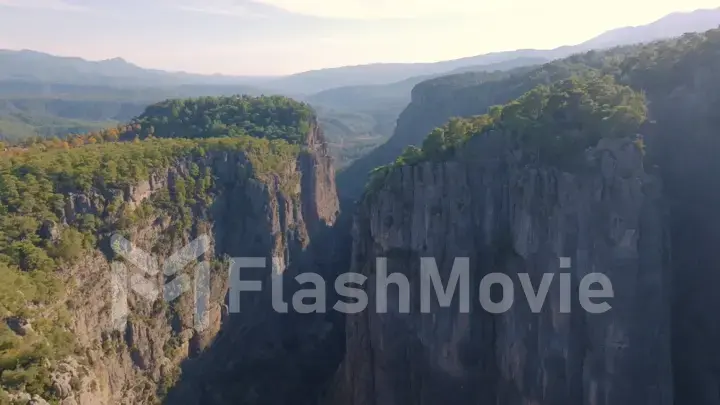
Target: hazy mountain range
[[35, 66], [358, 105]]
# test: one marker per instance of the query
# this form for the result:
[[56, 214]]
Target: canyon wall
[[508, 216], [248, 212]]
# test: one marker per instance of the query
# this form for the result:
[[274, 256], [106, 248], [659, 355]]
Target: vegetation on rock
[[59, 200], [272, 117], [666, 72], [552, 124]]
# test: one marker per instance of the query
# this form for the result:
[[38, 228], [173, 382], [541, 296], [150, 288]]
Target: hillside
[[355, 119], [375, 109], [32, 66], [550, 125], [672, 25], [266, 187], [390, 96], [436, 100], [274, 118], [36, 66], [46, 96], [120, 250], [29, 109], [667, 27], [536, 168], [557, 172]]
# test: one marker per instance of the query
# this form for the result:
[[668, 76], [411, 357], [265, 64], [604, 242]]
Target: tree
[[411, 155], [70, 245]]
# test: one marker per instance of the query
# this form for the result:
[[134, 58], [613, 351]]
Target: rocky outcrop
[[271, 215], [260, 355], [682, 150], [433, 103], [18, 325], [511, 216]]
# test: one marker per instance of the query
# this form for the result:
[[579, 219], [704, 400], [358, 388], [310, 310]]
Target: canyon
[[606, 158]]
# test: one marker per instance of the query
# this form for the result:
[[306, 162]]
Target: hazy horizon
[[278, 37]]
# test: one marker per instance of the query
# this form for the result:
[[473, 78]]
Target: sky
[[274, 37]]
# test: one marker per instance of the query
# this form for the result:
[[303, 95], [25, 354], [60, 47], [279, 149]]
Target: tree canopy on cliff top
[[41, 230], [272, 117], [554, 124], [678, 76]]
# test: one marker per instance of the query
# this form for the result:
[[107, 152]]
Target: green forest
[[551, 124], [273, 117], [676, 78], [36, 182], [551, 113]]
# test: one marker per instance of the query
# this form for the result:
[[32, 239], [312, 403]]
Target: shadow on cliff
[[260, 356]]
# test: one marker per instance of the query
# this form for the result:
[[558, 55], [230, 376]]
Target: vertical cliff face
[[562, 364], [434, 102], [510, 217], [260, 355], [248, 212], [321, 204]]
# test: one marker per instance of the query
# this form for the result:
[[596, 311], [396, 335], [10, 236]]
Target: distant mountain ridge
[[669, 26], [36, 66], [29, 65], [358, 106], [434, 101]]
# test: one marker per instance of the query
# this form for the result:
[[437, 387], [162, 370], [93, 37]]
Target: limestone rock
[[20, 326], [154, 348], [49, 231], [37, 400], [511, 216]]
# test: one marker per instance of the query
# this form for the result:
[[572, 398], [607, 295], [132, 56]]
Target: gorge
[[606, 157]]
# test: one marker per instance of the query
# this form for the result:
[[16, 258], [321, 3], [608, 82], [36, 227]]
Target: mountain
[[46, 95], [35, 66], [433, 103], [598, 170], [435, 100], [355, 119], [33, 108], [668, 26], [483, 205], [67, 210], [376, 108], [32, 66], [382, 96], [606, 160]]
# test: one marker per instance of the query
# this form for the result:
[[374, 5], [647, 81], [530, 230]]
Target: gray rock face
[[19, 325], [50, 231], [513, 217], [260, 356], [139, 361], [37, 400]]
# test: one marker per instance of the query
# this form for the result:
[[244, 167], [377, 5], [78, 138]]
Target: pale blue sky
[[267, 37]]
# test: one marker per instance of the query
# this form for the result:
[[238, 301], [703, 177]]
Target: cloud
[[235, 8], [382, 9], [325, 9], [236, 11], [58, 5]]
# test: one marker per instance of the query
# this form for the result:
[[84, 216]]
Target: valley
[[594, 159], [47, 96]]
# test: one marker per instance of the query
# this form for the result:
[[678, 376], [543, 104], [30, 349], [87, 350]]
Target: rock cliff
[[507, 216], [260, 355], [679, 79], [248, 211]]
